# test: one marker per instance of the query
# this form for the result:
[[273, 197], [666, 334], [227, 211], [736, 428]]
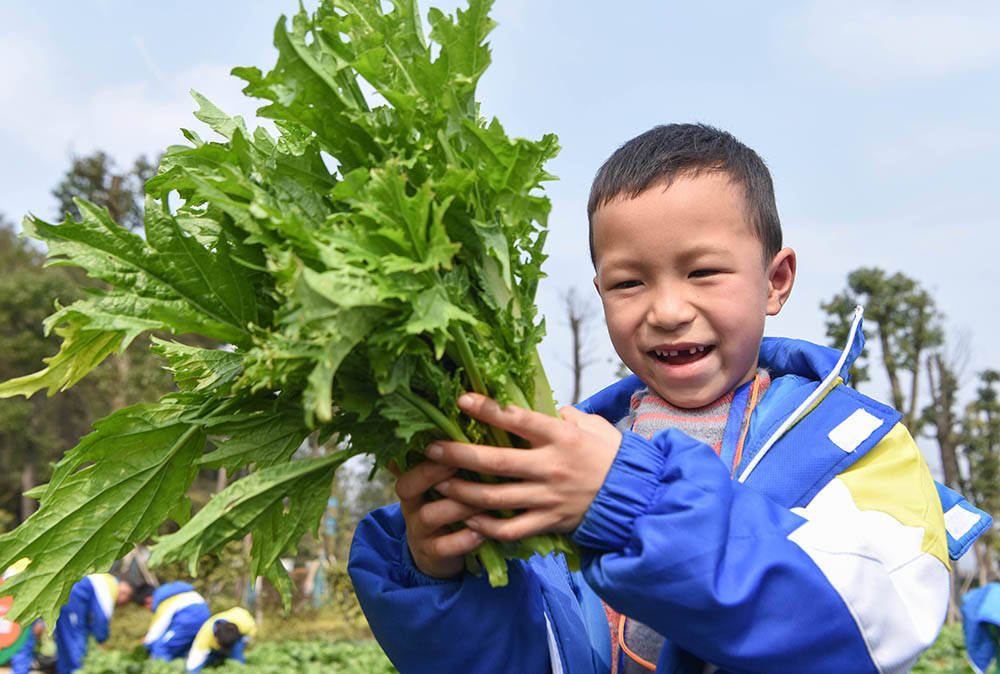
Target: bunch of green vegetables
[[362, 269]]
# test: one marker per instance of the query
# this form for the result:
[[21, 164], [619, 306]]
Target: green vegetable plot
[[363, 268], [266, 658]]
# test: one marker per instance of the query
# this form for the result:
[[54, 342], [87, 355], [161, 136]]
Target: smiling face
[[684, 287]]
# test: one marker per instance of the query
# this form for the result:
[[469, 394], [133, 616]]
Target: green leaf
[[277, 505], [116, 487], [198, 369], [171, 279], [264, 435], [82, 350]]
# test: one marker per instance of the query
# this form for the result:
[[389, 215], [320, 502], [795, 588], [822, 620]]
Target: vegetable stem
[[500, 436], [469, 361], [544, 402], [434, 414]]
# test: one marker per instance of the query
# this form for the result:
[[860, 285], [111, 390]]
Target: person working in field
[[178, 614], [17, 645], [222, 637], [737, 506], [88, 612]]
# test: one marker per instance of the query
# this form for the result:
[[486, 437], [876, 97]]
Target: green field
[[946, 656], [302, 657]]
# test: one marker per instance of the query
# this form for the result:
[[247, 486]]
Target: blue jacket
[[87, 613], [981, 625], [24, 656], [178, 614], [827, 554]]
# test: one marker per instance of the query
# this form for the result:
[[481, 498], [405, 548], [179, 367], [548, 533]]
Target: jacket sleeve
[[854, 582], [430, 625], [100, 622], [237, 652], [160, 649]]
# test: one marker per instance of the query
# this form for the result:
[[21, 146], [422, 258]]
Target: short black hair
[[227, 634], [140, 592], [659, 155]]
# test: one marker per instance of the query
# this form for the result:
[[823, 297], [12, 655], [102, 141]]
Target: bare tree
[[580, 314], [943, 421], [945, 369]]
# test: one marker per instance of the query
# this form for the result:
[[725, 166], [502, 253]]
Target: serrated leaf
[[264, 437], [116, 487], [82, 350], [277, 504], [198, 369], [409, 420], [166, 281]]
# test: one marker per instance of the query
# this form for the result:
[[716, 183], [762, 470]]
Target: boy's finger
[[414, 482], [503, 461], [505, 496], [455, 544], [513, 528], [437, 514], [535, 427]]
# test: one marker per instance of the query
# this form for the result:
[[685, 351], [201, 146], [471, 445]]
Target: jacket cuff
[[627, 492], [411, 576]]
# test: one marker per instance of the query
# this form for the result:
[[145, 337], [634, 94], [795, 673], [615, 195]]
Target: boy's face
[[684, 287], [124, 593]]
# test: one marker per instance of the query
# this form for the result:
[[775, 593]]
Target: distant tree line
[[36, 432]]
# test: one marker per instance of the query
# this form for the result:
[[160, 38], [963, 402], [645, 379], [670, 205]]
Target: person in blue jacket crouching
[[87, 614], [178, 613]]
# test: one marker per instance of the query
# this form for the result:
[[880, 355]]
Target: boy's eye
[[700, 273], [625, 284]]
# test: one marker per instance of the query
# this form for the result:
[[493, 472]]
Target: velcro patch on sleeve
[[854, 430], [959, 521]]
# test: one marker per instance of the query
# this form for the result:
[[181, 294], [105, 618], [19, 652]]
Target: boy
[[178, 613], [88, 612], [222, 637], [738, 508]]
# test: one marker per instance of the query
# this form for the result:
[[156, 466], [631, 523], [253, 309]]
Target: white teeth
[[691, 351]]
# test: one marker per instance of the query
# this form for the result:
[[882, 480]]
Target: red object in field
[[9, 632]]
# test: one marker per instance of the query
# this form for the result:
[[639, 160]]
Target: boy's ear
[[597, 286], [780, 278]]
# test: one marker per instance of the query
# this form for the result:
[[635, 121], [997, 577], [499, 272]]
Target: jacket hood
[[781, 355]]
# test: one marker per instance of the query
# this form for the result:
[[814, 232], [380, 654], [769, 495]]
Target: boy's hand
[[437, 551], [559, 476]]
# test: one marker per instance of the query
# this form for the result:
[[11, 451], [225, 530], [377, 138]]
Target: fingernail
[[435, 451], [473, 524], [443, 486], [464, 400], [477, 537]]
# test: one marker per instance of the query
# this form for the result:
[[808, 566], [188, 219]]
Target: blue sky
[[880, 121]]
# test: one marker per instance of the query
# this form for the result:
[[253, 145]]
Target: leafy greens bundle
[[363, 268]]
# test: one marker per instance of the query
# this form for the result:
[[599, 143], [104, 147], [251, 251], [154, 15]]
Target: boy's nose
[[670, 311]]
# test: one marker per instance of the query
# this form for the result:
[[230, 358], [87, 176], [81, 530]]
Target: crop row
[[303, 657]]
